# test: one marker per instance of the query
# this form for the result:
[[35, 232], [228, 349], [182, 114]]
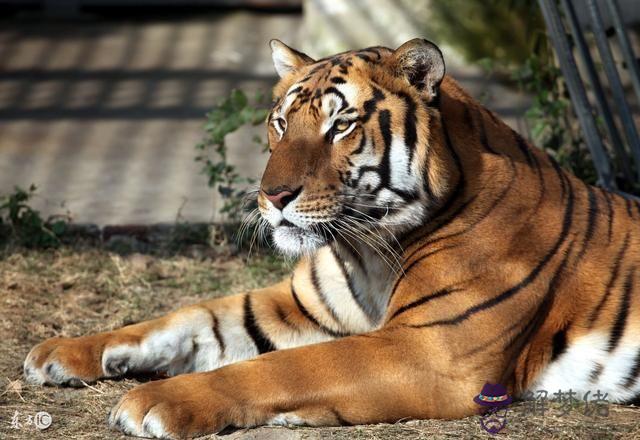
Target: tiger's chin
[[294, 241]]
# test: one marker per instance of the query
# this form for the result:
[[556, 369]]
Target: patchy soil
[[74, 291]]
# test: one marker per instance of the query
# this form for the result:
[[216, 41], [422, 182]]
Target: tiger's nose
[[281, 197]]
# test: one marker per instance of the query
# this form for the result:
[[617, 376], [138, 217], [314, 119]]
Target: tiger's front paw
[[63, 361], [72, 361], [180, 407]]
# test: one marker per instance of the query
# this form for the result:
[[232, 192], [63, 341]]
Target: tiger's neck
[[472, 153], [349, 283]]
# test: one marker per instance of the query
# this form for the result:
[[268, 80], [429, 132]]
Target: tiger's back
[[537, 268]]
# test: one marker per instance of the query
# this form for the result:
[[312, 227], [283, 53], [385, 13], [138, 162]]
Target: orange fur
[[516, 260]]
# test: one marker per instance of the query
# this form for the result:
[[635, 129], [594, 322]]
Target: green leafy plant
[[553, 125], [508, 39], [504, 31], [231, 114], [25, 226]]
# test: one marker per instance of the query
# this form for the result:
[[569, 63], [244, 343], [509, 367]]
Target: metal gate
[[608, 114]]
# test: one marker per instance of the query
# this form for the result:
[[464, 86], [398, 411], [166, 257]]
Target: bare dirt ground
[[71, 292]]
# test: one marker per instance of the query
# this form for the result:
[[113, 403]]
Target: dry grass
[[71, 292]]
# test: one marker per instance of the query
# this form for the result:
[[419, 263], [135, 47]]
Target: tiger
[[437, 251]]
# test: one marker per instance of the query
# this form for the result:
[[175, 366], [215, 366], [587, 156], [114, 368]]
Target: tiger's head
[[349, 138]]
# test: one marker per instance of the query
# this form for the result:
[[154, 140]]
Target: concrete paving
[[103, 116]]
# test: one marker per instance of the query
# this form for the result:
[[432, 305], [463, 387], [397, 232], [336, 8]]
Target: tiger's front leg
[[382, 376], [196, 338], [185, 340]]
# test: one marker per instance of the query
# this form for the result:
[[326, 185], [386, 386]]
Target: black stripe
[[370, 106], [493, 117], [458, 191], [426, 255], [338, 80], [315, 280], [296, 90], [485, 214], [352, 289], [595, 374], [632, 378], [459, 185], [591, 220], [363, 142], [558, 170], [433, 102], [426, 184], [374, 50], [384, 170], [453, 215], [524, 148], [420, 301], [410, 132], [623, 312], [319, 67], [466, 117], [217, 334], [522, 337], [492, 341], [541, 312], [559, 343], [484, 141], [407, 196], [566, 225], [615, 271], [610, 212], [627, 203], [355, 182], [284, 317], [262, 342], [339, 94], [415, 262], [541, 182], [312, 319]]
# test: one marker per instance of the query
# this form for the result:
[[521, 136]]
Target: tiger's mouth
[[287, 224], [298, 230], [294, 240], [350, 225]]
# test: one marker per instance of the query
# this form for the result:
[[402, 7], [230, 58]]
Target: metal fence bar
[[625, 46], [615, 83], [582, 107], [621, 158]]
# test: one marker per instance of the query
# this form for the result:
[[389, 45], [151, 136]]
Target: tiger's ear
[[422, 64], [286, 59]]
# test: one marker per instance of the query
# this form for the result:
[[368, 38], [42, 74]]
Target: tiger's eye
[[342, 125], [280, 124]]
